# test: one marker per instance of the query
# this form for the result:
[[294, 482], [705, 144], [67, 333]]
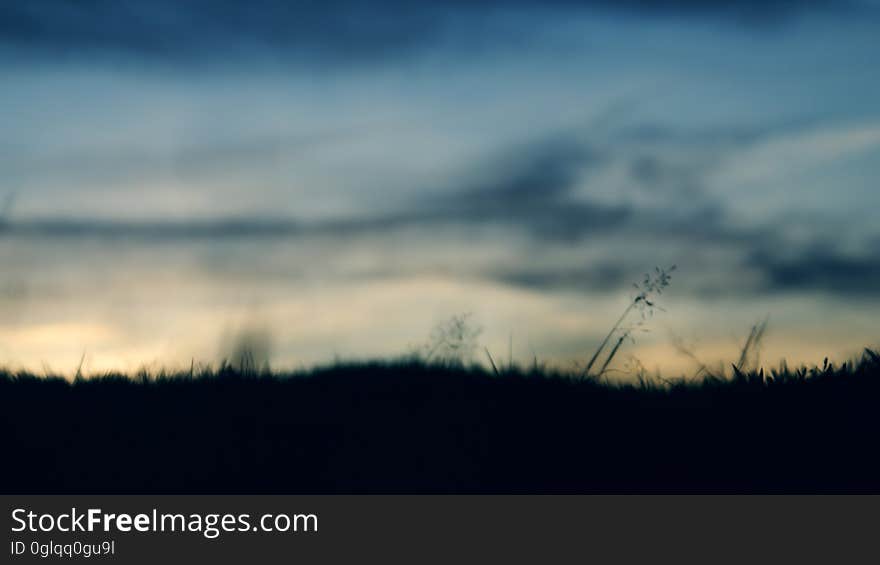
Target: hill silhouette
[[412, 427]]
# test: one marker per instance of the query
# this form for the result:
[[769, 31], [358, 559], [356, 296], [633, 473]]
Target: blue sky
[[344, 175]]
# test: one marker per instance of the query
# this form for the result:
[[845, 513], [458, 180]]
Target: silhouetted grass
[[407, 426]]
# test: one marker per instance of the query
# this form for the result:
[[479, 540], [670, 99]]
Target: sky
[[334, 179]]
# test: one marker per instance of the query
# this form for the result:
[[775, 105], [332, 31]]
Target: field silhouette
[[415, 427]]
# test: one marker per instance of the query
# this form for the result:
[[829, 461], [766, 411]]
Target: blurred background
[[332, 179]]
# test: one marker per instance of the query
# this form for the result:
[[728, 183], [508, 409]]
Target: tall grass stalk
[[644, 302]]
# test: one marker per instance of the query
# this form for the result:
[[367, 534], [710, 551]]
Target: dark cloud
[[150, 231], [535, 171], [530, 187], [603, 276], [763, 271], [204, 29], [751, 12], [344, 30], [818, 269]]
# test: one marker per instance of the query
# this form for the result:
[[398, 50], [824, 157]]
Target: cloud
[[187, 160], [536, 204], [751, 12], [207, 29], [596, 276], [528, 187], [818, 269], [340, 30], [797, 150]]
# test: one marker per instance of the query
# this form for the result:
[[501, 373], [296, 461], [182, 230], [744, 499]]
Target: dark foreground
[[411, 428]]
